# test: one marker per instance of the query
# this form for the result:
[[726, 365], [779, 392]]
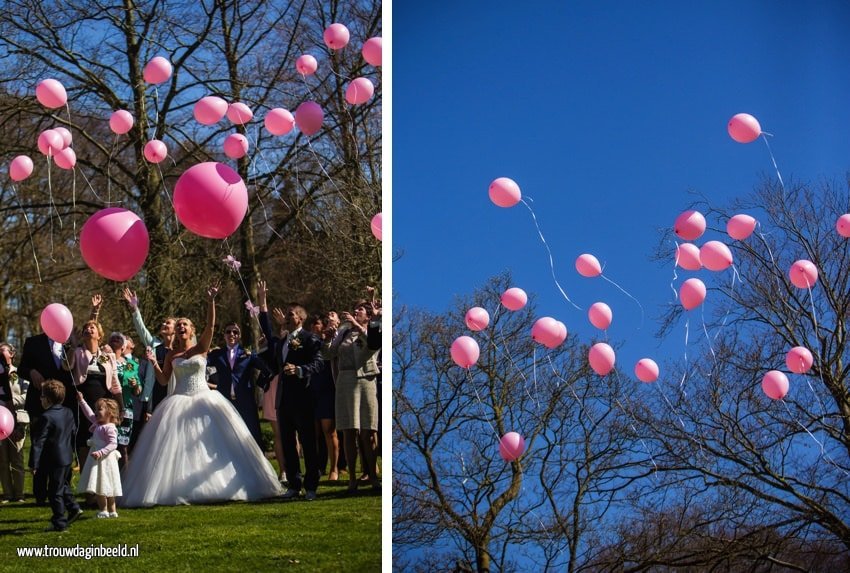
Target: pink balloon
[[50, 141], [646, 370], [477, 318], [211, 200], [741, 226], [601, 358], [744, 128], [155, 151], [114, 243], [235, 145], [309, 117], [687, 257], [67, 139], [504, 192], [239, 113], [465, 351], [306, 65], [843, 225], [511, 446], [804, 274], [600, 315], [715, 256], [7, 422], [799, 360], [359, 91], [57, 322], [775, 384], [377, 225], [51, 94], [336, 36], [692, 293], [209, 110], [121, 121], [65, 158], [514, 298], [588, 266], [157, 70], [372, 50], [546, 331], [20, 168], [689, 225], [279, 121], [562, 334]]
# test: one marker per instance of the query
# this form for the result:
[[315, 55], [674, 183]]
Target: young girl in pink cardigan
[[100, 475]]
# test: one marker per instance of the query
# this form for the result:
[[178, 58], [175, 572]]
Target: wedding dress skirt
[[196, 449]]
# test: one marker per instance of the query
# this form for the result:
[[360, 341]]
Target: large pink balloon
[[514, 298], [689, 225], [306, 65], [715, 256], [279, 121], [121, 121], [843, 225], [235, 145], [7, 422], [546, 331], [67, 138], [744, 128], [646, 370], [309, 117], [157, 70], [511, 446], [687, 257], [799, 360], [336, 36], [803, 274], [601, 358], [588, 266], [57, 322], [775, 384], [239, 113], [155, 151], [211, 200], [692, 293], [20, 168], [50, 141], [477, 318], [465, 351], [600, 315], [209, 110], [114, 243], [741, 226], [51, 93], [376, 225], [65, 158], [359, 91], [372, 50], [504, 192]]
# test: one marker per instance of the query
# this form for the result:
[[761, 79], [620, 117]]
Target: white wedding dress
[[196, 449]]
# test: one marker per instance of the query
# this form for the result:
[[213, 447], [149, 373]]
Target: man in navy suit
[[234, 377], [297, 355], [53, 452]]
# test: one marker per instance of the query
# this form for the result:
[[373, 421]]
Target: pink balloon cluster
[[549, 332]]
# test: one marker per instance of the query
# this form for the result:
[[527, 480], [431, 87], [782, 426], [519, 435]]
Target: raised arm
[[96, 303], [138, 323], [265, 325], [87, 411], [205, 340]]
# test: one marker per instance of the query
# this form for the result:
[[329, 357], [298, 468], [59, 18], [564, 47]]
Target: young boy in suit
[[52, 454]]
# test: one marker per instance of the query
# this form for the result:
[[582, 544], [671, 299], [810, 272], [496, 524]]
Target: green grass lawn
[[337, 532]]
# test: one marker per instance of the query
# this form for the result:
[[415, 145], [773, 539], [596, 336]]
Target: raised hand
[[262, 293], [96, 300], [213, 289], [131, 298], [150, 354], [278, 316]]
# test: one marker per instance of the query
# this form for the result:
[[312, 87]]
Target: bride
[[195, 448]]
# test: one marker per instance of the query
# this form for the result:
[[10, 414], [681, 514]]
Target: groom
[[234, 377]]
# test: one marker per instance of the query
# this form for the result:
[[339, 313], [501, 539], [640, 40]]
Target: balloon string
[[484, 415], [640, 306], [549, 251], [336, 187], [729, 310], [252, 170], [52, 208], [29, 232], [707, 337], [73, 181], [235, 267], [773, 159], [685, 372], [92, 189], [823, 452], [173, 210], [675, 274], [817, 340], [534, 398]]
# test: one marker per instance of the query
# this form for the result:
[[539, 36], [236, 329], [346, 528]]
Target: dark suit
[[296, 403], [37, 355], [52, 454], [240, 379]]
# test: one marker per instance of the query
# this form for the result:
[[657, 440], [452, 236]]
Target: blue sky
[[611, 116]]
